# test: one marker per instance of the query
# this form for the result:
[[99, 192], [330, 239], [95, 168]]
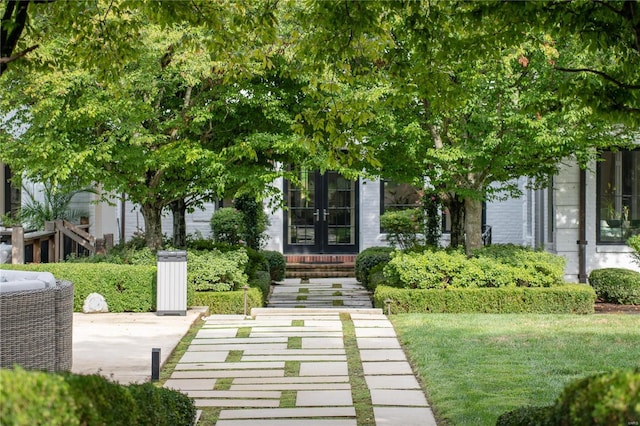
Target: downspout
[[582, 229], [123, 212]]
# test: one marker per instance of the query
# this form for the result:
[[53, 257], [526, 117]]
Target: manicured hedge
[[368, 259], [35, 398], [570, 298], [126, 288], [217, 271], [227, 302], [38, 398], [616, 285], [611, 398], [499, 266]]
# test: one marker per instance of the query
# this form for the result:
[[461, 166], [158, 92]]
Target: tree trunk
[[473, 224], [152, 215], [179, 211], [457, 214]]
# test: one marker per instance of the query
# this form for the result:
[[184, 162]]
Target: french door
[[321, 215]]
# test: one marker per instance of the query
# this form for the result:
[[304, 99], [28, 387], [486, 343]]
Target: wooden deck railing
[[58, 241]]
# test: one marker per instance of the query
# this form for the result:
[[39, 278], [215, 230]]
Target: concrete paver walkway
[[293, 364]]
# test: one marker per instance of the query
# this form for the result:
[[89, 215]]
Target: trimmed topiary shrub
[[570, 298], [603, 399], [162, 407], [227, 302], [126, 288], [611, 398], [101, 402], [39, 398], [35, 398], [616, 285], [277, 264], [227, 225], [369, 258]]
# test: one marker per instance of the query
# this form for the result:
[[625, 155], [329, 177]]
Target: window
[[401, 196], [398, 196], [618, 198]]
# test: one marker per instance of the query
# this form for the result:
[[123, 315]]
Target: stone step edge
[[311, 311]]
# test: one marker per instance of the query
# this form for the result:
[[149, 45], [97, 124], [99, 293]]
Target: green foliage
[[227, 302], [616, 285], [402, 227], [432, 204], [367, 259], [128, 254], [526, 416], [55, 205], [215, 271], [99, 401], [604, 399], [227, 226], [262, 281], [502, 266], [34, 397], [126, 288], [634, 243], [611, 398], [376, 277], [277, 264], [254, 219], [572, 298], [39, 398], [158, 406], [257, 262]]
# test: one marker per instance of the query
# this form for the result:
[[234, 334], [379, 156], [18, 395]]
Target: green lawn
[[475, 367]]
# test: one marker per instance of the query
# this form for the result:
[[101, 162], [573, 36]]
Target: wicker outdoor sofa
[[36, 321]]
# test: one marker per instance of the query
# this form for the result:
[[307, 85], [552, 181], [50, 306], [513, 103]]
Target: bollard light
[[155, 364], [387, 302]]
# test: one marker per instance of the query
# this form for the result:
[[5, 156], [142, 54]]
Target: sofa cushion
[[21, 285]]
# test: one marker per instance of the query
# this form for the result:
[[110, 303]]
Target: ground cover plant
[[475, 367]]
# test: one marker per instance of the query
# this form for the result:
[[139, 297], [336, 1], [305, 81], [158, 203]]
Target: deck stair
[[320, 266]]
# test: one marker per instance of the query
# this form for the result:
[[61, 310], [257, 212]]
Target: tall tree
[[454, 103], [183, 124]]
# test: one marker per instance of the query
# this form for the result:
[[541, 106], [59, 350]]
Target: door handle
[[316, 215], [325, 213]]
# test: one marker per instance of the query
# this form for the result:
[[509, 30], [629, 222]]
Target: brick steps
[[320, 266]]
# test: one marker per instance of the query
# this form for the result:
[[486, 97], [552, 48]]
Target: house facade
[[586, 216]]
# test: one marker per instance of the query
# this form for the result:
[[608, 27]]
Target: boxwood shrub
[[126, 288], [569, 298], [368, 259], [35, 398], [499, 266], [227, 302], [38, 398], [616, 285], [277, 264], [611, 398]]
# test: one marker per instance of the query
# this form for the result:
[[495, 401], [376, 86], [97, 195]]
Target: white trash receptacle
[[172, 283]]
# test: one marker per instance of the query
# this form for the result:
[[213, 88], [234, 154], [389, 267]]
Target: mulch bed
[[612, 308]]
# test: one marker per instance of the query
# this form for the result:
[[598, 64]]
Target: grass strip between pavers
[[297, 323], [243, 332], [294, 342], [234, 356], [359, 389]]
